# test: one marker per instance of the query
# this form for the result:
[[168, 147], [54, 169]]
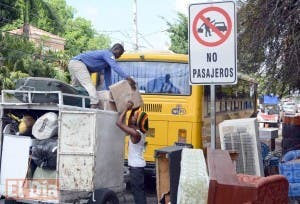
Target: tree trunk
[[26, 28]]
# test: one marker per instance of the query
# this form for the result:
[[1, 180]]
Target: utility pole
[[135, 27]]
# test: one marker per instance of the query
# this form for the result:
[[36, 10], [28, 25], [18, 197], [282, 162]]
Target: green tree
[[44, 14], [8, 79], [48, 15], [268, 43], [63, 13], [7, 12], [81, 37], [25, 12], [179, 34], [269, 37], [34, 11], [22, 56]]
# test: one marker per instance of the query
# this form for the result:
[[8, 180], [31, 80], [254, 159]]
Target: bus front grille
[[152, 107]]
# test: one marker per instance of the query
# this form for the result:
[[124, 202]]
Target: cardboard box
[[106, 101], [122, 93]]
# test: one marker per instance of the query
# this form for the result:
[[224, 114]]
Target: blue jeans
[[137, 184]]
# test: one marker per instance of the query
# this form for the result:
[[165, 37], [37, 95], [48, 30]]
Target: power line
[[126, 35], [10, 20], [146, 40], [121, 32], [153, 33], [35, 15], [121, 40], [131, 43]]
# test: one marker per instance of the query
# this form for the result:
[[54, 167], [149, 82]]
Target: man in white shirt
[[136, 129]]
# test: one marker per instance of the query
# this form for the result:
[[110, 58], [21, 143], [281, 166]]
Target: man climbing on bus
[[83, 64], [136, 129]]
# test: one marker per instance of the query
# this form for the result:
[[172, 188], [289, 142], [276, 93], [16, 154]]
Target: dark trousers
[[137, 184]]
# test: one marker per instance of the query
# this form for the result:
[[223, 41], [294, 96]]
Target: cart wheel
[[104, 196]]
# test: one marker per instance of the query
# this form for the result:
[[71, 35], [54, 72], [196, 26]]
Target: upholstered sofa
[[270, 190], [226, 186], [290, 168]]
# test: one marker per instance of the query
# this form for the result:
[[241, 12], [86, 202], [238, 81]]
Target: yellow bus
[[180, 112]]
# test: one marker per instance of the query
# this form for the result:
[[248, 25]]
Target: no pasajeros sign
[[212, 43]]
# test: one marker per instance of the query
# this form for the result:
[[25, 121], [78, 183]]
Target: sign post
[[212, 116], [212, 48]]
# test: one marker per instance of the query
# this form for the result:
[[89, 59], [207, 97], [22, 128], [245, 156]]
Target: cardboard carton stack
[[118, 95]]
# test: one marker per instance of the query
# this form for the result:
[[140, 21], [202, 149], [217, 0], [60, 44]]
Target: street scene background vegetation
[[268, 41]]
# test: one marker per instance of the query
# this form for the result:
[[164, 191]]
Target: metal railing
[[28, 97]]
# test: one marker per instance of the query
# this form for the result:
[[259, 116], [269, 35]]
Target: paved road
[[150, 189], [127, 197]]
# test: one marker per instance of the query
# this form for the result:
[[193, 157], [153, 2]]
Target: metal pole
[[212, 117], [135, 27]]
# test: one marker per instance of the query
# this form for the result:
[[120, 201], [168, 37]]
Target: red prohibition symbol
[[222, 36]]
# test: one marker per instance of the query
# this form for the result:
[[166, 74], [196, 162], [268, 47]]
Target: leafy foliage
[[268, 43], [20, 57], [269, 34], [8, 79], [19, 54], [82, 37], [179, 34]]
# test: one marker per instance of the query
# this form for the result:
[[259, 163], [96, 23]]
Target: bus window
[[158, 77], [218, 106], [231, 97], [223, 106], [167, 86]]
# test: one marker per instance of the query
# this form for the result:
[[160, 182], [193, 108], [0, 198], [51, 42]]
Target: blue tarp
[[270, 99]]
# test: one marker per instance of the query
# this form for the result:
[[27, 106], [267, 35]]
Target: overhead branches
[[269, 35]]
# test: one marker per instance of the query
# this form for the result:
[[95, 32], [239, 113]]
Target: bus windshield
[[158, 77]]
